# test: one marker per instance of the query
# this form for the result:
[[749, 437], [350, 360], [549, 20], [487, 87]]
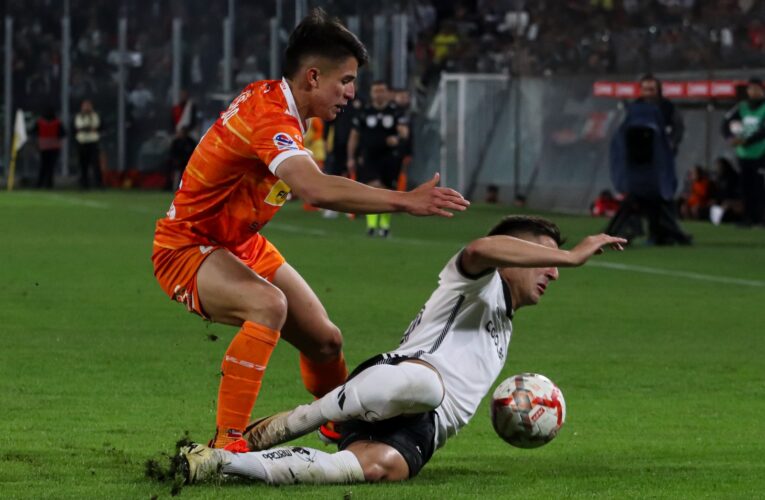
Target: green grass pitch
[[660, 360]]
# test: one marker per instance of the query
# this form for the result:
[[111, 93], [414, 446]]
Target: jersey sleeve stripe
[[219, 143], [244, 124], [197, 174], [237, 133], [278, 159]]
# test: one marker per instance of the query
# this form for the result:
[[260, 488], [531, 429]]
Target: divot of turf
[[168, 469]]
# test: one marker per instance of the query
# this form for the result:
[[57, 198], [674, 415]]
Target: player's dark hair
[[518, 225], [323, 36]]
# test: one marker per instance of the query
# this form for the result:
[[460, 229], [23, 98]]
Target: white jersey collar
[[292, 107]]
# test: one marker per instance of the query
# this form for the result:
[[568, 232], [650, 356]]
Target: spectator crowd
[[535, 37], [586, 36]]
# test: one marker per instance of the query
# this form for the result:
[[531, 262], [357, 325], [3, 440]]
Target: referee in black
[[378, 129]]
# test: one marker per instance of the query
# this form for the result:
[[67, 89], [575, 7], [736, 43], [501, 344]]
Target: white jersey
[[463, 330]]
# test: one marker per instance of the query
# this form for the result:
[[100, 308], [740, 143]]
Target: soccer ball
[[527, 410]]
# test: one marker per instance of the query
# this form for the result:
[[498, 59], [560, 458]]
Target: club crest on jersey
[[278, 194], [284, 142]]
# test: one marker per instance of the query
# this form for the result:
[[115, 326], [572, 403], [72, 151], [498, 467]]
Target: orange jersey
[[229, 189]]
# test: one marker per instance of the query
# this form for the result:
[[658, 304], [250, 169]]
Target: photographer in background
[[642, 160], [744, 127]]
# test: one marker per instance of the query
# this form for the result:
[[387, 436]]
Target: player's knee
[[331, 344], [327, 344], [277, 305], [374, 472], [386, 391], [424, 388], [267, 306], [385, 468]]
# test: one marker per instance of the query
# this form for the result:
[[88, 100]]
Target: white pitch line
[[291, 228], [73, 200], [82, 202], [595, 263], [679, 274]]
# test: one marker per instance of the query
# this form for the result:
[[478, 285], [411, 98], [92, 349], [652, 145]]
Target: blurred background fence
[[503, 89]]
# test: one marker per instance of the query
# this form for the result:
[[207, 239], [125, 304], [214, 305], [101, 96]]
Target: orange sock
[[320, 378], [243, 367]]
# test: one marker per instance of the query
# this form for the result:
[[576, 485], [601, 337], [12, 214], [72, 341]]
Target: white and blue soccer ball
[[528, 410]]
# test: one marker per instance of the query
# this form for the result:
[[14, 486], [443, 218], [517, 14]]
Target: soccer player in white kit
[[397, 408]]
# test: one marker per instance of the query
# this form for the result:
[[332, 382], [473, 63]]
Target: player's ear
[[312, 77]]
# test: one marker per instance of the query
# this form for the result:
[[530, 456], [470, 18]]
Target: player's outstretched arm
[[345, 195], [430, 199], [508, 251], [593, 245]]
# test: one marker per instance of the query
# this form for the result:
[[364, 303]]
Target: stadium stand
[[558, 46]]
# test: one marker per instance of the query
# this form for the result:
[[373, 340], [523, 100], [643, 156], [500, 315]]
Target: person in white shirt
[[87, 125], [397, 408]]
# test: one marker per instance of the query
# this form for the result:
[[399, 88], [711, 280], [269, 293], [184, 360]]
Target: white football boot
[[200, 463]]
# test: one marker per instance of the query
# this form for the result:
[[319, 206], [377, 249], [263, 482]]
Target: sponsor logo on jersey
[[278, 194], [276, 454], [498, 327], [284, 142]]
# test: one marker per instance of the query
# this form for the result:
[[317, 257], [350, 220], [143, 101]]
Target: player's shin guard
[[320, 378], [243, 367], [385, 221], [295, 465], [384, 391]]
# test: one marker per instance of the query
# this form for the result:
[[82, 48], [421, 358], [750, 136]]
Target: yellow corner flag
[[19, 139]]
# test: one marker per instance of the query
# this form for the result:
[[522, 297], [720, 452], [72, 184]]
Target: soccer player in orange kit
[[208, 250]]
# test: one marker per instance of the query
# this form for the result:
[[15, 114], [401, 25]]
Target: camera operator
[[643, 167]]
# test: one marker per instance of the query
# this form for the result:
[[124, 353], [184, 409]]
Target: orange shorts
[[176, 270]]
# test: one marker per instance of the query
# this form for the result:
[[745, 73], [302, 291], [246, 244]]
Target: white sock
[[295, 465], [384, 391]]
